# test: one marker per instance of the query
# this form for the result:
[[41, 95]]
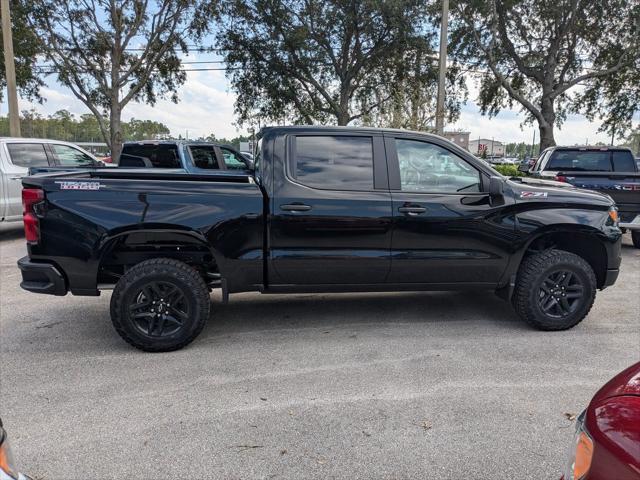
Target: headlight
[[613, 216], [580, 453]]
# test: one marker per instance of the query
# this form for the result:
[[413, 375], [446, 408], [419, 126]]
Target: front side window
[[232, 160], [28, 154], [71, 157], [333, 162], [425, 167]]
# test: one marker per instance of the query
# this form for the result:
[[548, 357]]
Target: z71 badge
[[66, 185], [533, 195]]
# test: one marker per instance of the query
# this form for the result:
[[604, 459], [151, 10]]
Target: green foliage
[[536, 52], [112, 52], [63, 125], [509, 170], [521, 149], [26, 47], [331, 61]]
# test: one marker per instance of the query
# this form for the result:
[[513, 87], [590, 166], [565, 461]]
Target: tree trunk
[[546, 136], [115, 127], [547, 123], [343, 118]]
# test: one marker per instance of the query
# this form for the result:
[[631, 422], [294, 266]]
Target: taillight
[[561, 178], [30, 198]]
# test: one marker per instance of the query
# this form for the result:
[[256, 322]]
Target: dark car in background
[[606, 444], [192, 157], [610, 170]]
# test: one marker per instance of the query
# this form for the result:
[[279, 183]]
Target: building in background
[[459, 138], [492, 147]]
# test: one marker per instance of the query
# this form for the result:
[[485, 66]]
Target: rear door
[[446, 229], [331, 211], [20, 156]]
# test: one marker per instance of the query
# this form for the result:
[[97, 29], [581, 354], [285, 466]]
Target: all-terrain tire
[[137, 314], [635, 238], [531, 291]]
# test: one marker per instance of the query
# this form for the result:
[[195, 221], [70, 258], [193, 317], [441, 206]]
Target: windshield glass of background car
[[204, 156], [595, 161], [425, 167], [28, 154], [333, 162]]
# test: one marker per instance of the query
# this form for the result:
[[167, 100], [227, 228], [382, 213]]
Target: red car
[[607, 440]]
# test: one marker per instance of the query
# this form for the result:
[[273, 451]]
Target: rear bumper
[[630, 222], [41, 277]]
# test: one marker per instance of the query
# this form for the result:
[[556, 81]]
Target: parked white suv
[[17, 155]]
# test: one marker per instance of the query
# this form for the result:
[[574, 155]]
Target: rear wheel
[[555, 290], [160, 305], [635, 238]]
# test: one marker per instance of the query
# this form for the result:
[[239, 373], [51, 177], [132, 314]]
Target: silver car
[[17, 155]]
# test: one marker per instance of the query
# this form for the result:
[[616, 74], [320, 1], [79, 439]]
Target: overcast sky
[[206, 106]]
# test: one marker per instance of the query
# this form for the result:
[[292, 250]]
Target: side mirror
[[496, 187], [524, 167]]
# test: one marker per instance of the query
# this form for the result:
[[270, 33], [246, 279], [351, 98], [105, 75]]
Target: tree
[[26, 48], [112, 52], [536, 52], [316, 60]]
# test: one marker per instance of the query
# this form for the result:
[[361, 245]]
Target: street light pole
[[442, 71], [10, 69]]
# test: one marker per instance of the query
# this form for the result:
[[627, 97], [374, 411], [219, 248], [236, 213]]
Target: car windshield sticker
[[533, 195], [79, 185]]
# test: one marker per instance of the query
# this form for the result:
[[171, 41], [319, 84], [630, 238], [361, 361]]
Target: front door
[[331, 211], [446, 230]]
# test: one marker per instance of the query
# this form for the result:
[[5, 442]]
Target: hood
[[626, 382], [536, 190]]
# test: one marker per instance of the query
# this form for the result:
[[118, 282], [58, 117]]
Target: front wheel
[[554, 290], [160, 305], [635, 238]]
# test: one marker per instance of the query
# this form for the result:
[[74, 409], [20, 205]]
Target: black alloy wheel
[[561, 294], [159, 309]]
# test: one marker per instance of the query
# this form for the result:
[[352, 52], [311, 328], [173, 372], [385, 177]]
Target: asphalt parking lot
[[354, 386]]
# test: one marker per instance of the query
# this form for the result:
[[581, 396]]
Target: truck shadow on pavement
[[251, 313]]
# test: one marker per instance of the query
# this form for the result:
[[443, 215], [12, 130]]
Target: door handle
[[15, 178], [295, 207], [412, 210]]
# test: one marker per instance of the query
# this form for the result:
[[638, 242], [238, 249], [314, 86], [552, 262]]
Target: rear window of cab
[[591, 161]]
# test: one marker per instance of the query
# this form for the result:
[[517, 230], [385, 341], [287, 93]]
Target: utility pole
[[10, 70], [442, 71]]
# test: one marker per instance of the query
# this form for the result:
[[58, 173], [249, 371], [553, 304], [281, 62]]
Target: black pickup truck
[[612, 170], [327, 209]]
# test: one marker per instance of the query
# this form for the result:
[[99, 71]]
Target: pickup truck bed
[[326, 209]]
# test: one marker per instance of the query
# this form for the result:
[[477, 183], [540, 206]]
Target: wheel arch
[[585, 241], [134, 245]]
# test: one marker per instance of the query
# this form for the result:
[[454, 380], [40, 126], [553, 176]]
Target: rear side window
[[28, 154], [576, 160], [333, 162], [150, 155], [204, 156], [623, 161]]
